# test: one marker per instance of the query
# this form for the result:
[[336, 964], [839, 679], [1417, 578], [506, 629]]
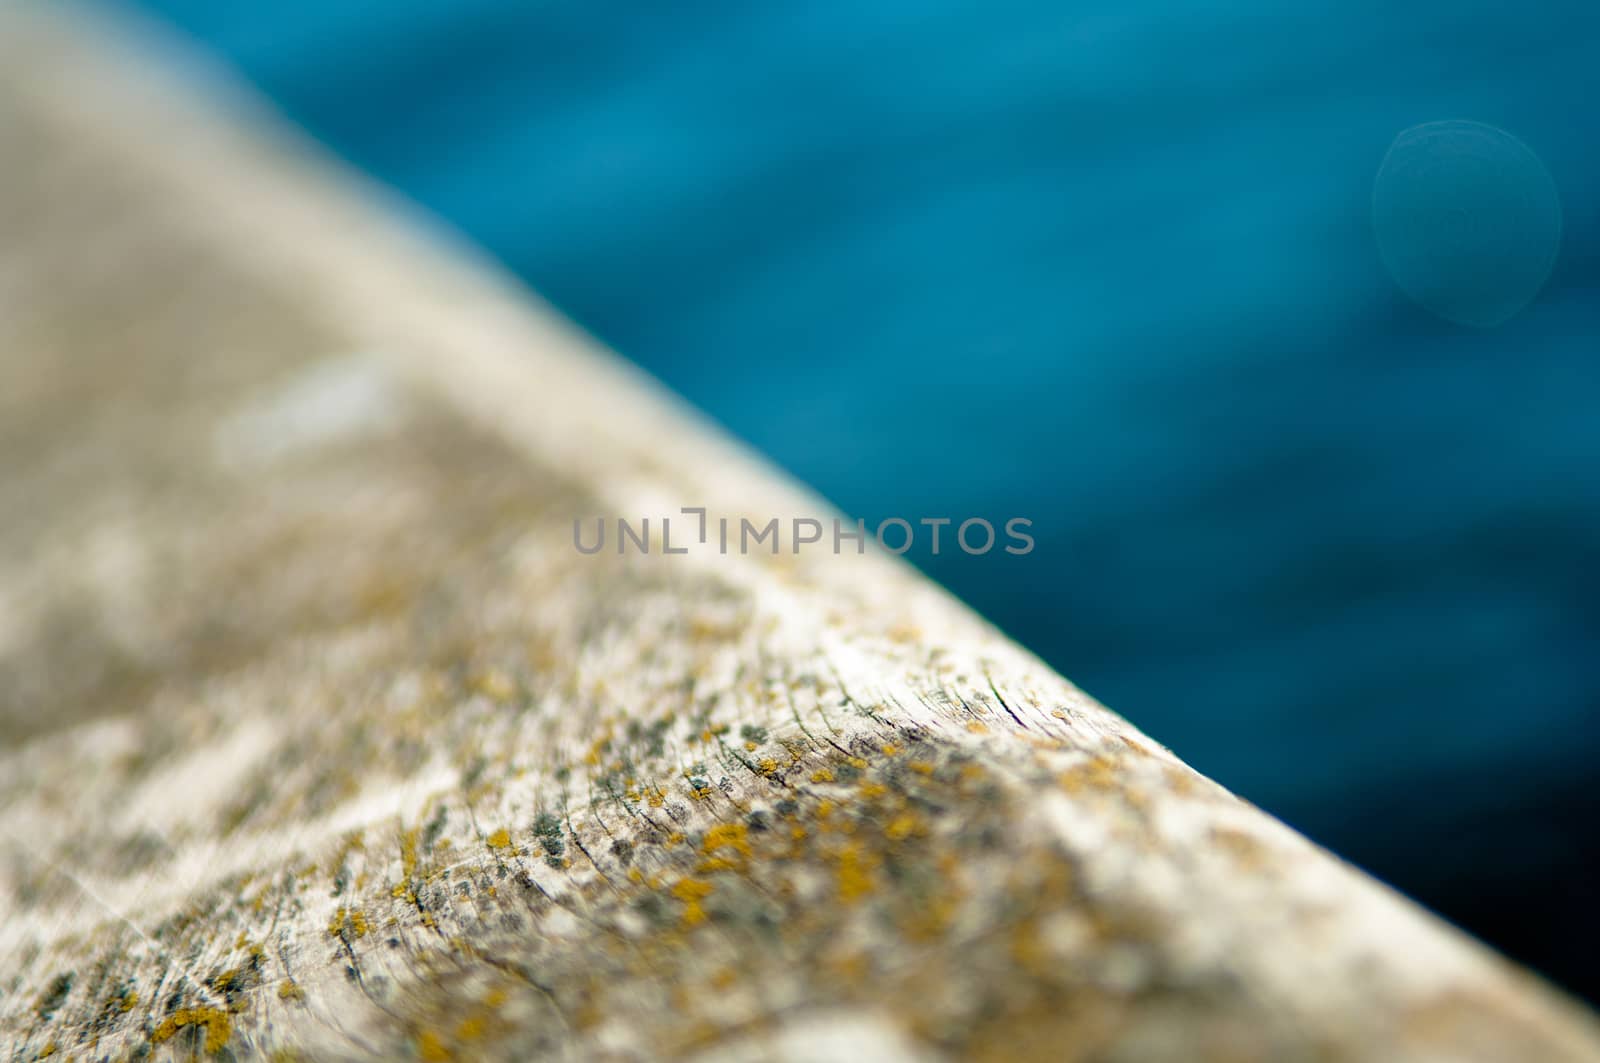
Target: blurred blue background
[[1109, 266]]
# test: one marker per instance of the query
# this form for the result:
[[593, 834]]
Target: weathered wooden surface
[[321, 738]]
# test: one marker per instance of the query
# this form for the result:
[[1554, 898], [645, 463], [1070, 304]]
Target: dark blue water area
[[1109, 267]]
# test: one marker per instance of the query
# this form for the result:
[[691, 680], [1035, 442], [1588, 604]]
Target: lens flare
[[1467, 220]]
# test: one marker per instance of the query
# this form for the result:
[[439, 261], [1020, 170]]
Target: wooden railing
[[321, 739]]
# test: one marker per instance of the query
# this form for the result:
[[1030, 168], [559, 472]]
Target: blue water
[[1109, 266]]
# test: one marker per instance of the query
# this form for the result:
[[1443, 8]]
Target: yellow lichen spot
[[768, 766], [598, 749], [854, 874], [931, 919], [921, 767], [890, 749], [691, 891], [750, 747], [675, 838], [495, 998], [849, 968], [346, 922], [870, 790], [1028, 950], [977, 728], [822, 775], [129, 1001], [1247, 852], [495, 685], [470, 1029], [500, 839], [735, 836], [47, 1051], [725, 978], [905, 633], [288, 990], [1096, 773], [903, 826], [217, 1025], [824, 809], [858, 763], [431, 1047], [703, 628], [408, 852]]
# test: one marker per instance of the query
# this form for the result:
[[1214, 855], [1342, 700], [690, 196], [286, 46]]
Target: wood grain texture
[[322, 741]]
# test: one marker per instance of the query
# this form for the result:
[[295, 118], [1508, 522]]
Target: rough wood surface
[[322, 740]]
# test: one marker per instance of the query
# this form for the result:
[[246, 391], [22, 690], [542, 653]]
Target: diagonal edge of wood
[[323, 741]]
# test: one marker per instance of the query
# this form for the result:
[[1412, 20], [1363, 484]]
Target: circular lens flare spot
[[1467, 220]]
